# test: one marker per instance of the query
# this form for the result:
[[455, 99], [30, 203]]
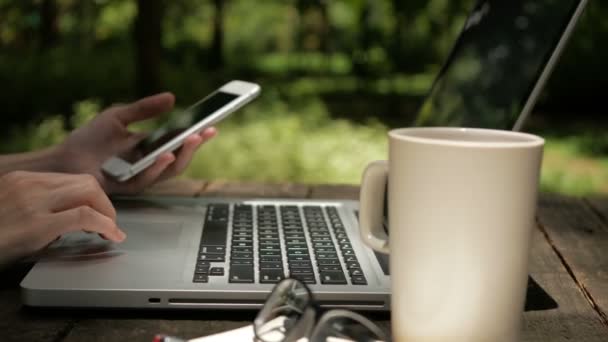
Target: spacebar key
[[241, 274]]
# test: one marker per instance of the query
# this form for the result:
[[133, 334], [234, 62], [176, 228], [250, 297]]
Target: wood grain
[[335, 191], [573, 319], [251, 189], [177, 187], [20, 324], [581, 238]]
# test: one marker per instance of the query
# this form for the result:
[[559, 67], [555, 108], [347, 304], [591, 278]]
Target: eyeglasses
[[290, 314]]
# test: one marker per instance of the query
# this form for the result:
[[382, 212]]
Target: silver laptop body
[[228, 253]]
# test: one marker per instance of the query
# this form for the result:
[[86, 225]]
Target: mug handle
[[371, 200]]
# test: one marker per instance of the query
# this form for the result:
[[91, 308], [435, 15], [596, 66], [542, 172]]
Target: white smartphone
[[208, 111]]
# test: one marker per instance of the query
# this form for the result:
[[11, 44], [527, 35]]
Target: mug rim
[[527, 140]]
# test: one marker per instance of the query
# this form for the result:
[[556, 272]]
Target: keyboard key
[[352, 264], [211, 257], [236, 249], [350, 258], [305, 278], [270, 253], [332, 278], [297, 252], [355, 272], [330, 269], [294, 247], [269, 237], [291, 258], [267, 243], [242, 226], [241, 262], [241, 274], [344, 246], [325, 250], [326, 255], [242, 234], [301, 271], [328, 262], [271, 265], [242, 244], [214, 233], [217, 271], [270, 276], [213, 249], [203, 264], [358, 280], [321, 239], [269, 248], [201, 278], [201, 270], [241, 256], [294, 236], [270, 259], [299, 264]]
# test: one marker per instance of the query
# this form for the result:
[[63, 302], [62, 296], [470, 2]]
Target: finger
[[84, 218], [183, 157], [82, 190], [149, 176], [146, 108], [186, 152], [208, 133]]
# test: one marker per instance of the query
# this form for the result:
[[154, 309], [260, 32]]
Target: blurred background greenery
[[336, 75]]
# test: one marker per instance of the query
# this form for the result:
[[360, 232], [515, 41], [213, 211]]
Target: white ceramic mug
[[461, 206]]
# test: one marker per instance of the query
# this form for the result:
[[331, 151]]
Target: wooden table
[[569, 263]]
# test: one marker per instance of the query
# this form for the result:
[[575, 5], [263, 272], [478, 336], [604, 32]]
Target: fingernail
[[210, 131], [121, 236]]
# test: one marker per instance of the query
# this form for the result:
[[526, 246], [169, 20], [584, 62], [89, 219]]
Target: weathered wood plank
[[573, 319], [333, 191], [177, 187], [581, 238], [250, 189], [18, 324]]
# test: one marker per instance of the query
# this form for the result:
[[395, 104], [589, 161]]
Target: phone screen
[[178, 123]]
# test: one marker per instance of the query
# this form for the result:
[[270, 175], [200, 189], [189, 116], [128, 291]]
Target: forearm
[[38, 161]]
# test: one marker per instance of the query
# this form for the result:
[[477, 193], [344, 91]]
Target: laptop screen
[[496, 63]]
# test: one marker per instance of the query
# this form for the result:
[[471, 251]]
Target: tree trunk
[[49, 28], [148, 46], [216, 55]]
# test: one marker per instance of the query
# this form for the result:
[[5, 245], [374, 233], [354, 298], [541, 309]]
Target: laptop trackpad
[[153, 255], [150, 236]]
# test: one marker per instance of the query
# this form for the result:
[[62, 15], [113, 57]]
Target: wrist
[[46, 160]]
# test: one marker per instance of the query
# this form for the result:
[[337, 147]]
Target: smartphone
[[171, 135]]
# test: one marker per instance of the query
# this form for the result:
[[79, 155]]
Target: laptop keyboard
[[305, 242]]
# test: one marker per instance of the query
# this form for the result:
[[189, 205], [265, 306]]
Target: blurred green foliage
[[336, 76]]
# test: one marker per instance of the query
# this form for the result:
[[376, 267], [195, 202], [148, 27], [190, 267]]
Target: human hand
[[86, 148], [37, 208]]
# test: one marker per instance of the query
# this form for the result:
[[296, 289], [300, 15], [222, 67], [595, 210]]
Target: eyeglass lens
[[340, 327]]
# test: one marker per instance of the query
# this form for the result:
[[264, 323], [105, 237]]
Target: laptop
[[227, 253]]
